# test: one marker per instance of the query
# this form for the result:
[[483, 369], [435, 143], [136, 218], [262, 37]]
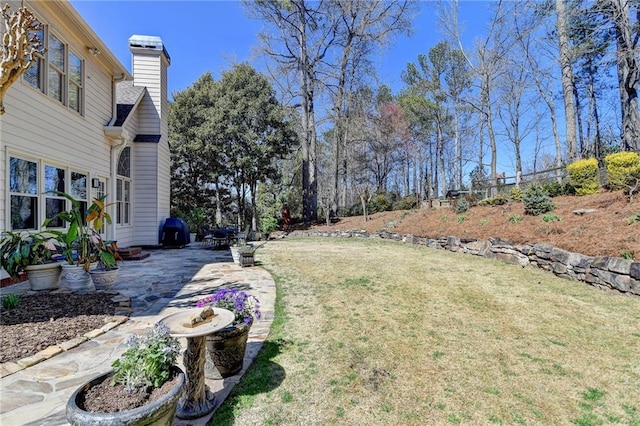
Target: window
[[33, 188], [75, 82], [123, 188], [59, 73], [54, 180], [56, 73], [78, 190], [34, 75], [23, 189]]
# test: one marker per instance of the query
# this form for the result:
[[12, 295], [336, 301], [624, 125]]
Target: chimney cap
[[149, 43]]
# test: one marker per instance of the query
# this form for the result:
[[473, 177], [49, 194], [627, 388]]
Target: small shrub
[[620, 166], [515, 218], [406, 203], [462, 206], [634, 218], [583, 176], [461, 219], [515, 194], [627, 255], [380, 203], [498, 200], [555, 189], [551, 217], [11, 301], [536, 201]]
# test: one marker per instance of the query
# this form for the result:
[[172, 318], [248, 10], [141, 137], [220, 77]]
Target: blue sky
[[203, 36]]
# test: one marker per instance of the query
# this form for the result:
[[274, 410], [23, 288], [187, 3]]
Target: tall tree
[[567, 80], [362, 27], [254, 128], [625, 16], [302, 32]]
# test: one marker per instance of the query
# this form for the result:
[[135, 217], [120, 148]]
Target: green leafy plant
[[634, 218], [627, 255], [551, 217], [83, 241], [461, 219], [269, 224], [24, 248], [444, 218], [484, 222], [537, 201], [11, 301], [462, 206], [515, 218], [148, 360]]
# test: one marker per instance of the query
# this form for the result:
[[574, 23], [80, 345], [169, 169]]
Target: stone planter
[[103, 279], [246, 259], [75, 278], [225, 349], [158, 412], [44, 277]]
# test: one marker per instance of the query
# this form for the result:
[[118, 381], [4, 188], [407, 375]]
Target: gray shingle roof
[[126, 96]]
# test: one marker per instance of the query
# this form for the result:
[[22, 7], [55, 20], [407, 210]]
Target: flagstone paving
[[162, 284]]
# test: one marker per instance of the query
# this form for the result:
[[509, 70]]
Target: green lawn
[[377, 332]]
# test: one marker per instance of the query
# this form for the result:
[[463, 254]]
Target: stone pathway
[[159, 285]]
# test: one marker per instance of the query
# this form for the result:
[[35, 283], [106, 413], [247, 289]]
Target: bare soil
[[106, 398], [43, 320], [607, 231]]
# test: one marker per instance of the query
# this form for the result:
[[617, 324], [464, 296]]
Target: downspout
[[115, 148]]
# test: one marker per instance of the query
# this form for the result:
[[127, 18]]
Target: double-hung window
[[59, 73], [123, 188], [23, 190]]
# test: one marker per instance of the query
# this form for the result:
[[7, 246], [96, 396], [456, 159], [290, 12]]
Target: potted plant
[[30, 253], [84, 246], [128, 395], [246, 255], [226, 347], [106, 252]]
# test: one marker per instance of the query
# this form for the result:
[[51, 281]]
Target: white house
[[77, 121]]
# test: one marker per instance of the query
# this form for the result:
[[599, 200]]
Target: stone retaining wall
[[601, 271]]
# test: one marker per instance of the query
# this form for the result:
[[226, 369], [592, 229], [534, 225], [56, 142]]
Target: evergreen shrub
[[621, 166], [515, 194], [462, 205], [537, 201], [583, 176]]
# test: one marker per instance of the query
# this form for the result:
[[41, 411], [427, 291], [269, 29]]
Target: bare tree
[[363, 26], [567, 80], [20, 44], [302, 33], [627, 32]]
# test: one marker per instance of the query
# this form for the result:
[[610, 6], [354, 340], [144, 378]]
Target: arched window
[[123, 188]]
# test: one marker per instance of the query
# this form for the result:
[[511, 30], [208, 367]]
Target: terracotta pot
[[225, 349], [44, 277], [158, 412]]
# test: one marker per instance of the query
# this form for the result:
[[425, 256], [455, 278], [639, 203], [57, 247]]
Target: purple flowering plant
[[244, 306]]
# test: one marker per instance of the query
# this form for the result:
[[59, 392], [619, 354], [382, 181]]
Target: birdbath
[[198, 400]]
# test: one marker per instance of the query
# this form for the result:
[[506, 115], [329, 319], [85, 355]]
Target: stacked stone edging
[[603, 272]]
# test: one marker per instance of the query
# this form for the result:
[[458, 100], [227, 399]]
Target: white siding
[[145, 193], [147, 73]]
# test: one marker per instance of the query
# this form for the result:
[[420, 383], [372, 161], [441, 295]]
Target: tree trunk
[[567, 81]]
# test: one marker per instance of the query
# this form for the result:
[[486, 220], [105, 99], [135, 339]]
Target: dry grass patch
[[376, 332]]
